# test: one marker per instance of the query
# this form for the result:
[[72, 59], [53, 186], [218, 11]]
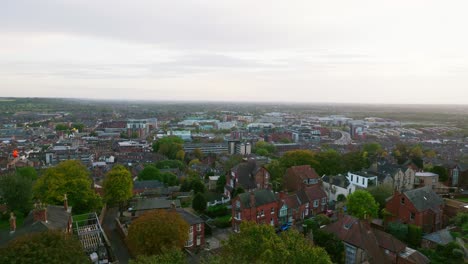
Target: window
[[237, 204], [272, 222], [362, 180], [324, 200], [352, 177], [402, 200], [198, 227], [238, 215], [316, 203], [411, 216], [262, 213], [191, 230], [189, 242], [272, 210], [198, 240]]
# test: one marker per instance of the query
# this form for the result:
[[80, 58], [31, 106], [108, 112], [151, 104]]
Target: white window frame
[[198, 240], [272, 211], [198, 227], [316, 203]]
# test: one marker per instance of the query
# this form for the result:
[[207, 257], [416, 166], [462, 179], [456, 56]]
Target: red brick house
[[314, 200], [421, 207], [196, 234], [298, 177], [260, 206], [249, 175], [364, 244]]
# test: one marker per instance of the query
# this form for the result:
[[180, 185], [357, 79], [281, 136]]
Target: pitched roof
[[311, 193], [154, 203], [337, 180], [190, 218], [261, 197], [57, 218], [441, 237], [245, 172], [359, 234], [424, 198], [303, 172], [152, 184]]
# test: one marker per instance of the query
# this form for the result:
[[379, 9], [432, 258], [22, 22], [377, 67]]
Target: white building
[[363, 180]]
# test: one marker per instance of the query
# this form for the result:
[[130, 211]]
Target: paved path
[[118, 246]]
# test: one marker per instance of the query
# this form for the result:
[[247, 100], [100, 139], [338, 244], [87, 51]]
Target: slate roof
[[154, 203], [441, 237], [190, 218], [262, 197], [337, 180], [153, 184], [57, 218], [424, 199], [462, 166], [245, 173]]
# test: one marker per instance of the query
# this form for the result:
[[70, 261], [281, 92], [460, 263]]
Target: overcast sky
[[374, 51]]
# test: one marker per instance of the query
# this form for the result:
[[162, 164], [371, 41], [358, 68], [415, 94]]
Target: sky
[[399, 51]]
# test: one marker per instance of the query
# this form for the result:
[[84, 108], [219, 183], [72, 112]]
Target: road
[[345, 138], [117, 243]]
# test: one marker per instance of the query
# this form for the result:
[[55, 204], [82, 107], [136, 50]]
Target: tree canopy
[[148, 173], [168, 146], [44, 247], [361, 204], [381, 193], [173, 256], [118, 186], [28, 172], [16, 191], [69, 177], [156, 231], [260, 244], [199, 202], [170, 164]]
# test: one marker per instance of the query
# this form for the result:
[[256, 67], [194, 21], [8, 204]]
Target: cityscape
[[234, 132]]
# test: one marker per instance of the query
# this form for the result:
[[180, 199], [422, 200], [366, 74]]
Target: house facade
[[421, 207], [459, 176], [249, 175], [260, 206], [196, 233], [336, 185], [298, 177]]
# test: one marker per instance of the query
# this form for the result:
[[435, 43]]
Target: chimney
[[65, 202], [252, 199], [12, 223], [40, 212]]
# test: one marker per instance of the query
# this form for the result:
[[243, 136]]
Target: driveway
[[117, 243]]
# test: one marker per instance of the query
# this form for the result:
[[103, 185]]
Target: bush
[[223, 221], [217, 211], [414, 236]]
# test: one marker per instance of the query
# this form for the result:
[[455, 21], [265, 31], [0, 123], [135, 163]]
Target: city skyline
[[306, 51]]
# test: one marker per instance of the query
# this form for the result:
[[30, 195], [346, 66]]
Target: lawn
[[5, 223], [463, 199]]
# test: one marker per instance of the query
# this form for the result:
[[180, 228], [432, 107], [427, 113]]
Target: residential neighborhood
[[125, 185]]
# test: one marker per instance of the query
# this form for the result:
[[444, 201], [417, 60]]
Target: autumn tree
[[198, 153], [361, 204], [173, 256], [44, 247], [118, 186], [16, 191], [69, 177], [260, 244], [157, 231]]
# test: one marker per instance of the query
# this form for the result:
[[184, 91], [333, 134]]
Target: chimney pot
[[12, 223], [65, 202]]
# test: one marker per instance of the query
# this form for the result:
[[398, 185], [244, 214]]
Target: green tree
[[353, 161], [150, 172], [398, 230], [173, 256], [157, 231], [331, 243], [180, 155], [414, 236], [118, 186], [170, 164], [199, 202], [44, 247], [330, 162], [441, 171], [381, 193], [276, 172], [263, 148], [169, 178], [198, 153], [220, 183], [197, 185], [16, 191], [168, 146], [297, 158], [361, 204], [260, 244], [69, 177], [28, 172], [61, 127], [79, 127], [372, 151]]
